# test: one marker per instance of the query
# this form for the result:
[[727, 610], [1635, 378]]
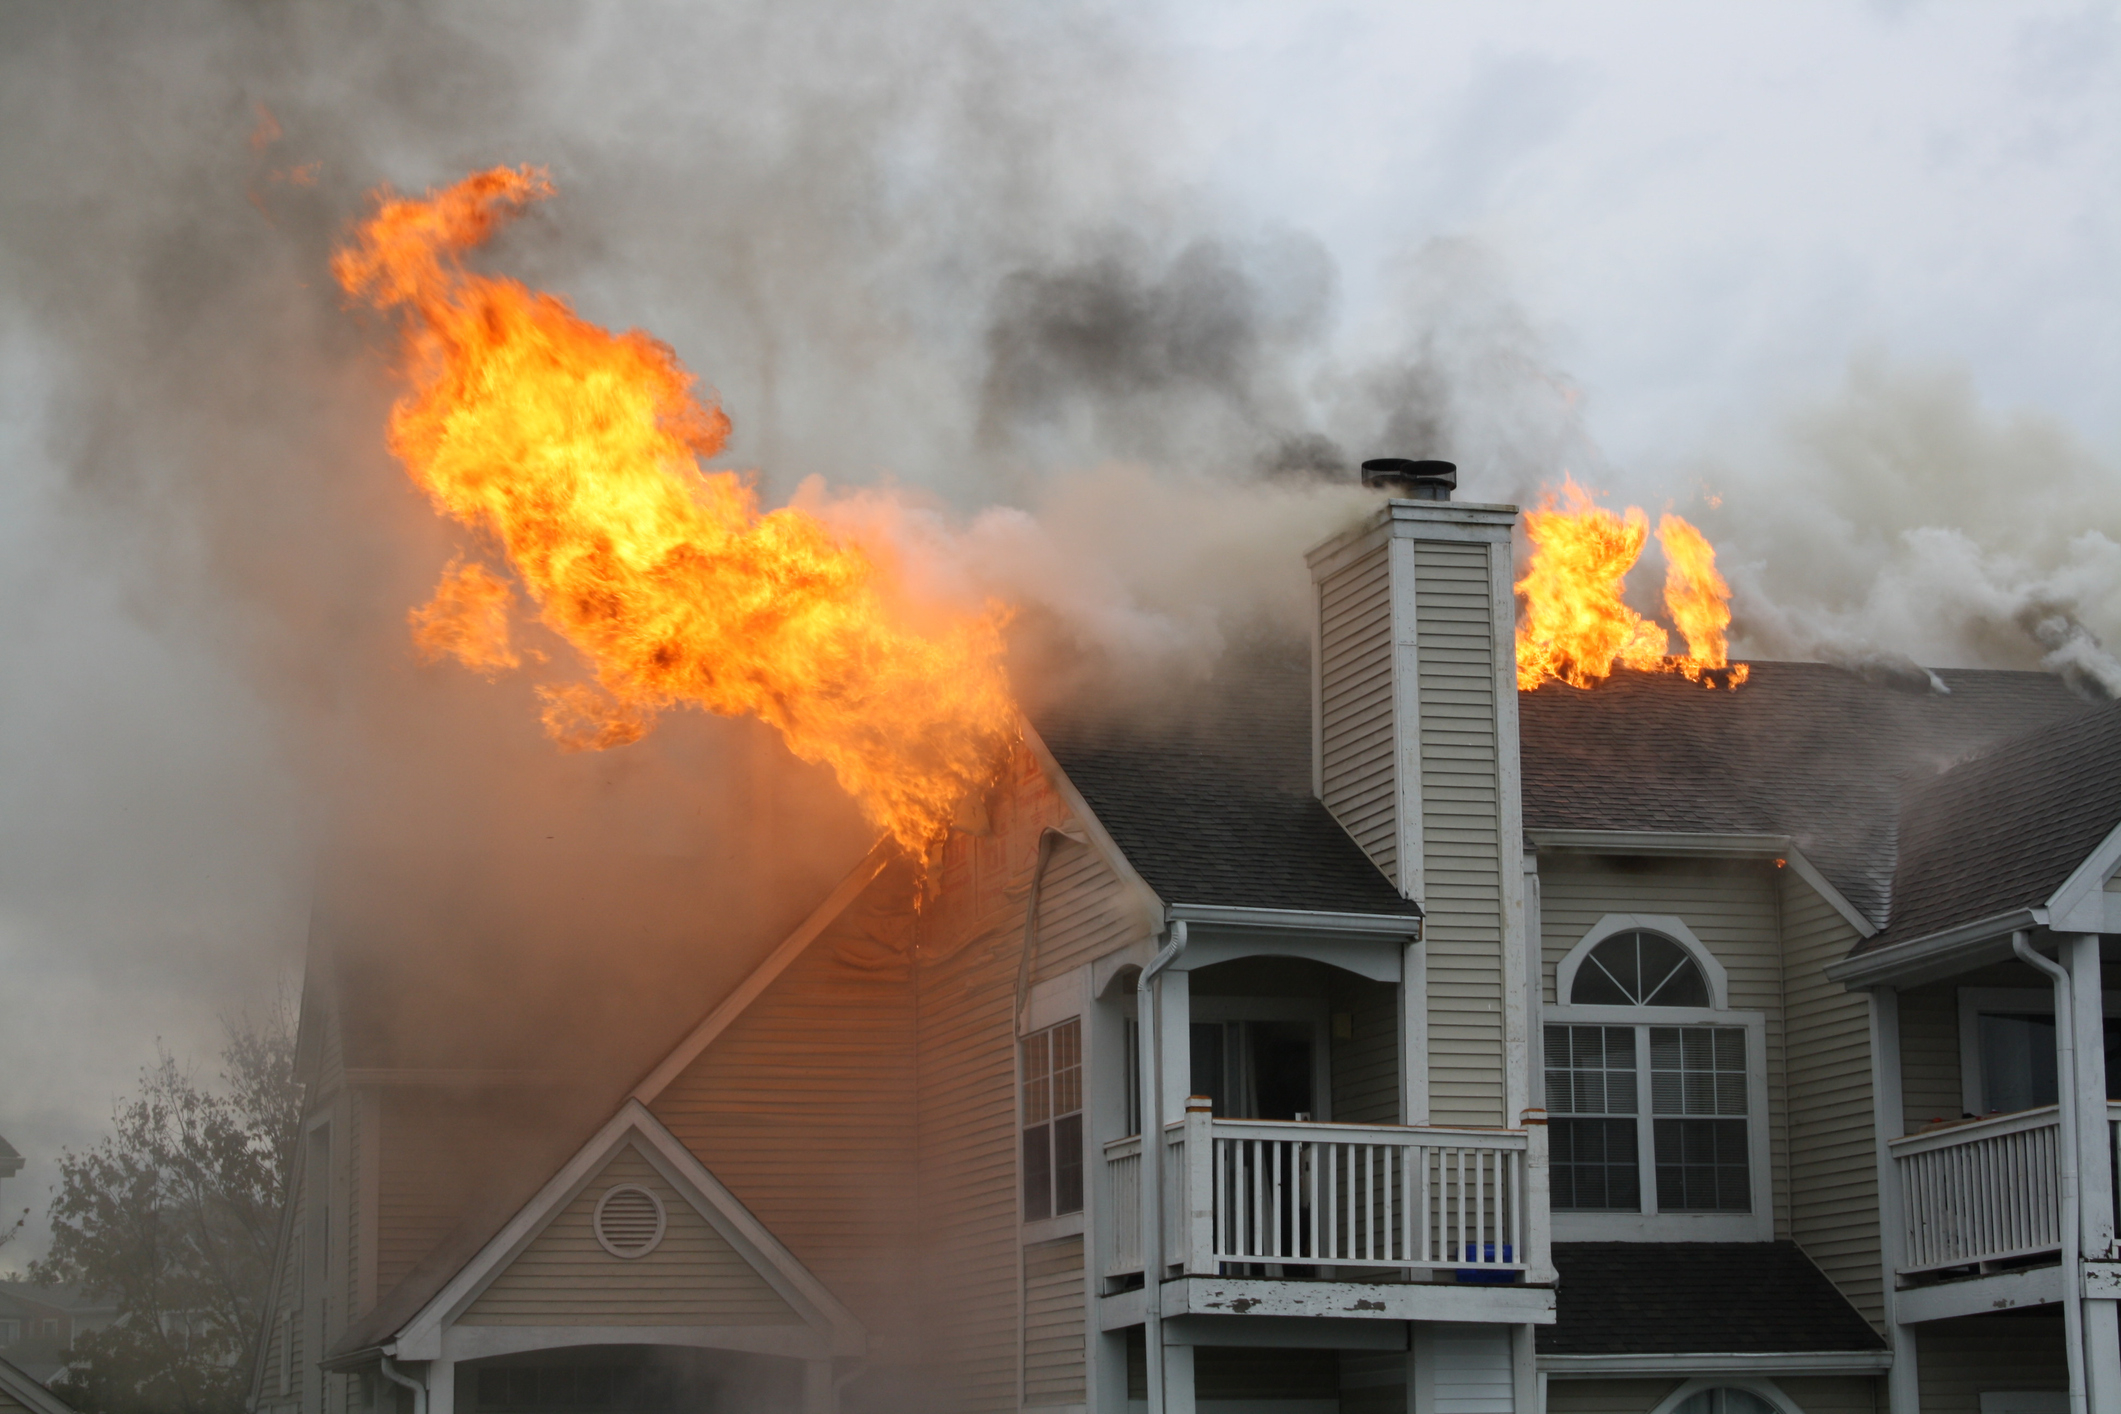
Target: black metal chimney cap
[[1422, 480]]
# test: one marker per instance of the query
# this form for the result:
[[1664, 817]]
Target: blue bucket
[[1489, 1276]]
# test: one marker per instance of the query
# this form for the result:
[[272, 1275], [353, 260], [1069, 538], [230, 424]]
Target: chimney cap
[[1422, 480]]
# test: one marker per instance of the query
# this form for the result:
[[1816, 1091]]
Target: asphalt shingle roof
[[1213, 804], [2004, 830], [1812, 751], [1657, 1298]]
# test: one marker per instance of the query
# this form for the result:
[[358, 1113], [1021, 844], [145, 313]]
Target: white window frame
[[1050, 1003], [1751, 1384], [1649, 1225], [1973, 1001]]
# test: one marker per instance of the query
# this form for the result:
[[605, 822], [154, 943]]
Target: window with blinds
[[1053, 1121]]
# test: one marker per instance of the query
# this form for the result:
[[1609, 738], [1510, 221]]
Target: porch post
[[1903, 1386], [1178, 1379], [441, 1386], [1199, 1186], [2095, 1174], [819, 1394]]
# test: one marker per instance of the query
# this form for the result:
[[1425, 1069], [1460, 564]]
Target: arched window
[[1654, 1096], [1724, 1401], [1639, 968]]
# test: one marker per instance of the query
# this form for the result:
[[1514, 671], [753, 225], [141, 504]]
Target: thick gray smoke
[[920, 246]]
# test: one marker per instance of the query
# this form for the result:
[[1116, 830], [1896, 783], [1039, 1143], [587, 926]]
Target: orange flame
[[1576, 626], [1697, 598], [578, 450]]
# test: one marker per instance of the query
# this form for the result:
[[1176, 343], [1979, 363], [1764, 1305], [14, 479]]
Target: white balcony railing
[[1985, 1191], [1311, 1196]]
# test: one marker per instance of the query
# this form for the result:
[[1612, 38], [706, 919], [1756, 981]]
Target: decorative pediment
[[633, 1242]]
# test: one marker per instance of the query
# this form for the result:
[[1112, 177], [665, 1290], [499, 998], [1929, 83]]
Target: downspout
[[1149, 1014], [418, 1387], [2066, 1111]]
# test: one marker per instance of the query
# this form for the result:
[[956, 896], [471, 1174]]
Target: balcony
[[1985, 1196], [1292, 1200]]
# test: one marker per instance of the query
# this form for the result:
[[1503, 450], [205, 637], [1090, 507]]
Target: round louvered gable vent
[[629, 1221]]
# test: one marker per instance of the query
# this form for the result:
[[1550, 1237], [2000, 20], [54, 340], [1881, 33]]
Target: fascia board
[[421, 1337], [1293, 920], [1698, 844], [752, 1238], [2079, 906], [16, 1382], [717, 1021], [1779, 1362], [1936, 955], [1101, 839], [282, 1253]]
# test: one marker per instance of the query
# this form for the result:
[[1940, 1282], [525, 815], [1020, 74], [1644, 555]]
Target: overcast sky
[[1735, 255]]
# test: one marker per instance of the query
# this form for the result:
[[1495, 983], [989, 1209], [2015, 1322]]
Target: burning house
[[1547, 1048], [1432, 1019]]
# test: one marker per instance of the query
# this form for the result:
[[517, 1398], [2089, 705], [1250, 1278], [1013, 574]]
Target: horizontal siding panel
[[566, 1278]]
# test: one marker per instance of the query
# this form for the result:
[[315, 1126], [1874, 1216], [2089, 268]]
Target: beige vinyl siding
[[1085, 910], [1365, 1066], [969, 944], [1608, 1396], [692, 1277], [1957, 1359], [1833, 1160], [1356, 744], [1461, 831], [1732, 906], [1053, 1322], [8, 1401], [803, 1108], [1929, 1055], [2113, 885]]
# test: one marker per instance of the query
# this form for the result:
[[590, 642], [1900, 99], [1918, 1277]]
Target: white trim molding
[[432, 1332], [1780, 848], [1762, 1389], [2082, 904], [792, 947], [1780, 1362], [25, 1391], [1669, 925]]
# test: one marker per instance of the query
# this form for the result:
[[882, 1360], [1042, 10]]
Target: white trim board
[[1779, 1362], [763, 976], [16, 1382], [835, 1331], [1669, 925]]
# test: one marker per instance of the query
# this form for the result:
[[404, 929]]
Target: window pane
[[1639, 969], [1592, 1165], [1038, 1173], [1701, 1166], [1068, 1164], [1038, 1094], [1669, 976], [1067, 1067], [1590, 1070], [1697, 1070], [2017, 1061]]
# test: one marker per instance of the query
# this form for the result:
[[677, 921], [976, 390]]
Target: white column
[[1414, 1034], [1106, 1384], [1175, 989], [441, 1386], [2095, 1174], [819, 1394], [1903, 1385], [1524, 1364], [1178, 1379]]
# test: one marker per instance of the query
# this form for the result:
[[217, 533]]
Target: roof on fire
[[2003, 830], [1213, 805], [1808, 750], [1657, 1298]]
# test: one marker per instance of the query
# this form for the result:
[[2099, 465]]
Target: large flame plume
[[1576, 627], [578, 451]]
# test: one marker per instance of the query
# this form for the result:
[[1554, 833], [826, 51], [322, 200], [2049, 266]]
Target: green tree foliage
[[174, 1216]]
